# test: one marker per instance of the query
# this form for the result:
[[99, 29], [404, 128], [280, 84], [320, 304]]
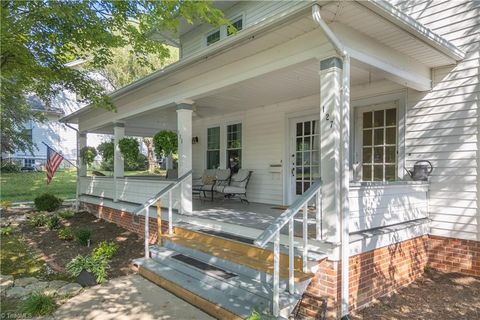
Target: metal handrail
[[267, 235], [151, 201]]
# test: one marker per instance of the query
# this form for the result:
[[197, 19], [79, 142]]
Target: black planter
[[86, 279]]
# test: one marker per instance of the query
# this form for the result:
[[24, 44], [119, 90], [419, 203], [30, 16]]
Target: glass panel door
[[305, 155]]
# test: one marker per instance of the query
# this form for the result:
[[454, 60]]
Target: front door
[[304, 157]]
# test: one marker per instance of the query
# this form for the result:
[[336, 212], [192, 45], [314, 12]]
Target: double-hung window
[[213, 148], [234, 146], [379, 144], [238, 24], [224, 31]]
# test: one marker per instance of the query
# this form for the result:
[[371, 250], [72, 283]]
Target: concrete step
[[232, 298]]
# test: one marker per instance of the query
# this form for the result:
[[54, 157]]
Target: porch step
[[236, 252], [201, 283]]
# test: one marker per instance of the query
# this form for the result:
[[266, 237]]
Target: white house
[[326, 102]]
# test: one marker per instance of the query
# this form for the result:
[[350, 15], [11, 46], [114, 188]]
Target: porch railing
[[273, 232], [156, 200]]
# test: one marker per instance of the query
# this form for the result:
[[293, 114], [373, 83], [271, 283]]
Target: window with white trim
[[224, 31], [213, 148], [213, 37], [379, 144], [234, 147], [238, 24]]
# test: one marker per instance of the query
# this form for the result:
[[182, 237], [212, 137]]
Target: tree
[[39, 39]]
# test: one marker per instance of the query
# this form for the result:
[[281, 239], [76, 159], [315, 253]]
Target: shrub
[[38, 220], [67, 214], [6, 231], [105, 250], [47, 202], [83, 236], [53, 222], [38, 304], [141, 163], [88, 155], [97, 266], [65, 234], [5, 204], [9, 167]]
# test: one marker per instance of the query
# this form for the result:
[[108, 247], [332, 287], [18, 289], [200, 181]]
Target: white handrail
[[267, 235], [273, 232], [147, 204]]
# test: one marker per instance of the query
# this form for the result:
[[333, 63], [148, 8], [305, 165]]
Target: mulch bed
[[435, 295], [58, 253]]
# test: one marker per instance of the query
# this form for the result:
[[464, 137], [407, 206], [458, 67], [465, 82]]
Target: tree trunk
[[150, 156]]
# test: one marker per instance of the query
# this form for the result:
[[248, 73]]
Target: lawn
[[26, 186]]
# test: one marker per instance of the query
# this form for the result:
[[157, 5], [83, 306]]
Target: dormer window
[[213, 37], [238, 24]]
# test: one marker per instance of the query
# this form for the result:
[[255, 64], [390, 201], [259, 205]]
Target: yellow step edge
[[242, 248], [238, 257], [190, 297]]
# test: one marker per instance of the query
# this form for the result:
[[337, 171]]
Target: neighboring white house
[[58, 135], [349, 93]]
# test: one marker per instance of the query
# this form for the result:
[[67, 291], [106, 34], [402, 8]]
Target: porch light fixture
[[194, 140]]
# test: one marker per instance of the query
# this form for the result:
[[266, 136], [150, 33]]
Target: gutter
[[202, 55], [344, 159], [412, 26]]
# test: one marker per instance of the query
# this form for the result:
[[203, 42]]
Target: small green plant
[[66, 234], [5, 204], [38, 304], [88, 155], [129, 147], [38, 220], [67, 214], [6, 231], [105, 250], [98, 267], [83, 236], [53, 222], [47, 202]]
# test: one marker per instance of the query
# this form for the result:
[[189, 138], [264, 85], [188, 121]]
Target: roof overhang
[[445, 52]]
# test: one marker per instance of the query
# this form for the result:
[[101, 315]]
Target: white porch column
[[118, 161], [184, 129], [330, 101], [82, 142]]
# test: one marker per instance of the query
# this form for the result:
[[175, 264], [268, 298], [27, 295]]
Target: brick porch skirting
[[372, 274]]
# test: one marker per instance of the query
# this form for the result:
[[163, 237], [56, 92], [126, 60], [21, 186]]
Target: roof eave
[[415, 28]]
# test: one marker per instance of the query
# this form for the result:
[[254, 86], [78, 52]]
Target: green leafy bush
[[5, 204], [47, 202], [105, 250], [9, 167], [88, 155], [83, 236], [38, 304], [129, 147], [38, 220], [106, 150], [66, 234], [67, 214], [53, 222], [98, 267], [6, 231]]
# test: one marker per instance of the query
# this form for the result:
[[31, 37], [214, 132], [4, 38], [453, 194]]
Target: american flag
[[53, 162]]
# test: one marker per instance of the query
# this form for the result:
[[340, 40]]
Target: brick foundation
[[372, 274]]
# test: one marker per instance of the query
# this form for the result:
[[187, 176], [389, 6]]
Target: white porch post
[[118, 163], [82, 142], [184, 128], [330, 100]]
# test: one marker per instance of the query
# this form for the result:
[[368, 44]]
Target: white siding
[[443, 125], [253, 13]]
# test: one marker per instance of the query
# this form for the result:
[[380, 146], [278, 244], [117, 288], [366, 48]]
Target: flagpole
[[61, 154]]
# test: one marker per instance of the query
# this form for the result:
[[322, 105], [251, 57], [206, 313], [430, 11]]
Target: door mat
[[310, 209], [228, 236], [207, 268]]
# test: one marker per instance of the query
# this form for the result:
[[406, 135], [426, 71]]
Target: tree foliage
[[166, 143], [40, 38], [129, 147]]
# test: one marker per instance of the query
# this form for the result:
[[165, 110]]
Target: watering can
[[421, 170]]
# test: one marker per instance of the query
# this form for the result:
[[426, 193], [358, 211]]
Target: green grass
[[26, 186]]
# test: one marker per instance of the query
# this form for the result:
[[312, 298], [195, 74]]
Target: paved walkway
[[130, 297]]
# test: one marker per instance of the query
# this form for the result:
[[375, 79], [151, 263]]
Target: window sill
[[386, 183]]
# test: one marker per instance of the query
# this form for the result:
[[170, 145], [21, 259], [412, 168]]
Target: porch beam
[[118, 161], [184, 127], [371, 55], [330, 170]]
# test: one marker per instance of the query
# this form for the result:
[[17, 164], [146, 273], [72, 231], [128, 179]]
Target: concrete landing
[[128, 298]]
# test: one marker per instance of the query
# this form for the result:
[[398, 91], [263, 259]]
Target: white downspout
[[344, 158]]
